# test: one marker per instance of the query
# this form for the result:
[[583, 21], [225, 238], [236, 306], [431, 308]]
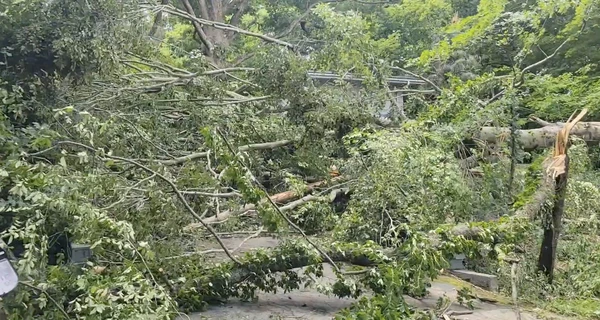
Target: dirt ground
[[309, 304]]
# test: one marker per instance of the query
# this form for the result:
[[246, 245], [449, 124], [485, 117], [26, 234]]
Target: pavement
[[309, 304]]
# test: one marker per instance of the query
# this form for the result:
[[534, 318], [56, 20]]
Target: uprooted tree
[[144, 129]]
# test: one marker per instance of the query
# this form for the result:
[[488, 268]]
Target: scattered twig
[[283, 197]]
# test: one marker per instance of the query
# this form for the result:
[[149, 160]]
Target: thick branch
[[198, 27], [281, 198], [257, 146], [158, 20], [237, 16], [224, 26]]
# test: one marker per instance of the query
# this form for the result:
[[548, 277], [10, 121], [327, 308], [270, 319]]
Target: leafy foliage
[[119, 140]]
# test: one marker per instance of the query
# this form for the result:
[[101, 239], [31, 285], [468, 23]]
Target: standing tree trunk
[[556, 170], [553, 225]]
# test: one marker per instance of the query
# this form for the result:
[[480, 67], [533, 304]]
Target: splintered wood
[[557, 164]]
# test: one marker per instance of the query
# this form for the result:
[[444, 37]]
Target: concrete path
[[309, 304]]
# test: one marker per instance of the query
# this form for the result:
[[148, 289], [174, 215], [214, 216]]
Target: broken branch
[[248, 147]]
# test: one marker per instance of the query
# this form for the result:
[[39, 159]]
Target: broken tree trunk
[[541, 137], [556, 170]]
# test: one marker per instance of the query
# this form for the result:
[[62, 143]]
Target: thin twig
[[420, 77], [153, 278], [254, 235], [214, 195]]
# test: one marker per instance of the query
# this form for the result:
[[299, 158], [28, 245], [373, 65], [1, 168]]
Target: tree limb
[[281, 214], [237, 16], [209, 48], [256, 146], [438, 89], [281, 198], [223, 26], [541, 137], [158, 20]]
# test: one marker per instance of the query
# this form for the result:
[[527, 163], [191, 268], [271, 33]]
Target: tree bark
[[553, 225], [158, 20], [555, 176], [543, 137]]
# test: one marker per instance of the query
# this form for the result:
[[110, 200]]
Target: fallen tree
[[258, 269], [543, 137], [550, 189]]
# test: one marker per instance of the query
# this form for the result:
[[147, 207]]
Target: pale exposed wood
[[280, 198], [556, 171]]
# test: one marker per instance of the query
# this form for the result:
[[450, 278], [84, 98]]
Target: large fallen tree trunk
[[543, 137]]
